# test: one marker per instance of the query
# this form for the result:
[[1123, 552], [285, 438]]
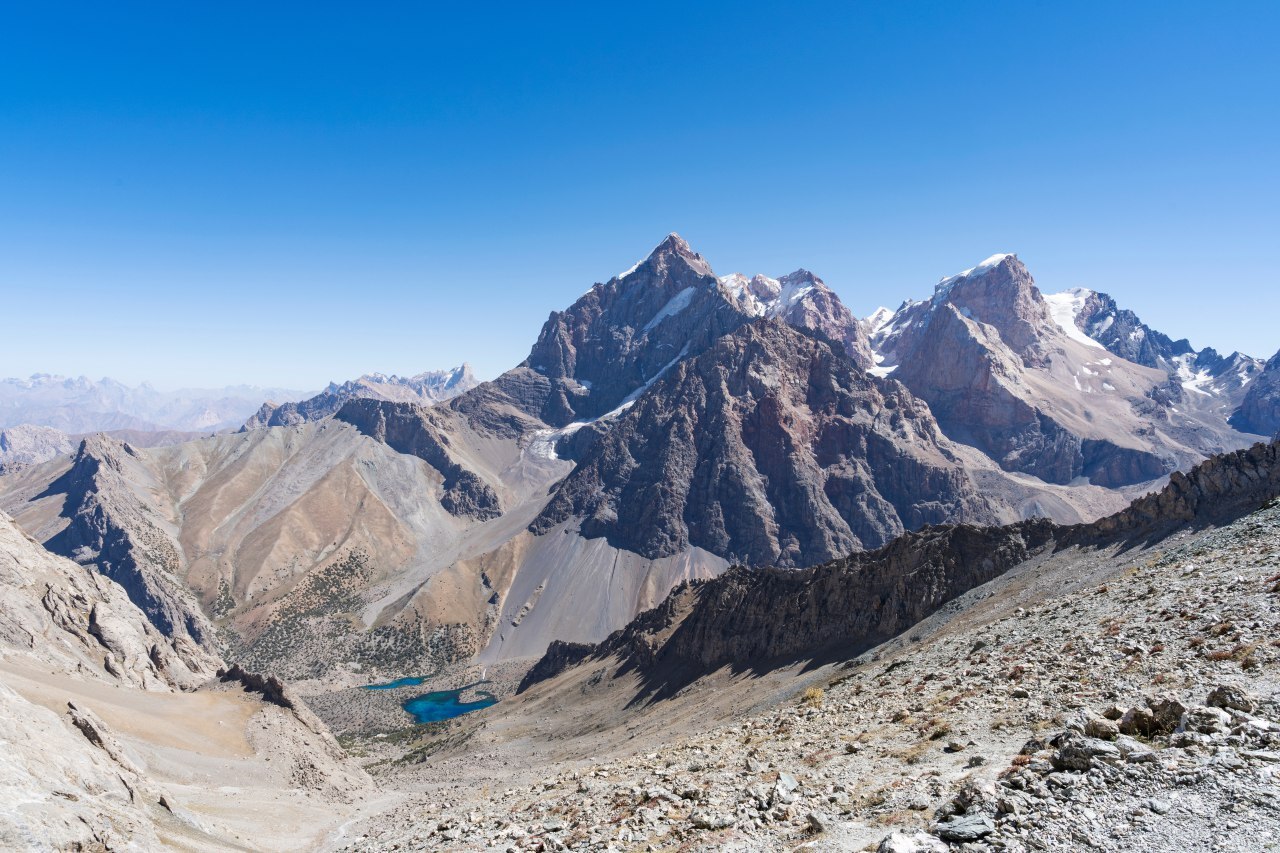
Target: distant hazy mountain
[[424, 389], [82, 405]]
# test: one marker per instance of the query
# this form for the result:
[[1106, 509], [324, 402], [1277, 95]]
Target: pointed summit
[[676, 247]]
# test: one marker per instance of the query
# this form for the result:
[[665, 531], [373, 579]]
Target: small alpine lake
[[438, 704]]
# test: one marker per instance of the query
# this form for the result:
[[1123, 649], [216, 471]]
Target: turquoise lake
[[439, 704]]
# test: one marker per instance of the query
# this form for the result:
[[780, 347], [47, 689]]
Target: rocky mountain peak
[[1001, 293], [673, 250], [769, 447]]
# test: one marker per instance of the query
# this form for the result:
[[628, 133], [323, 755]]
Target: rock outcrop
[[623, 335], [1201, 378], [26, 444], [771, 447], [1010, 373], [802, 300], [77, 619]]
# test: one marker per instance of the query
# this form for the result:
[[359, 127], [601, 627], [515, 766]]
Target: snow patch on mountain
[[674, 306], [1065, 307]]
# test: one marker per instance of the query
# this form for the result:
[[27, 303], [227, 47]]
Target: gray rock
[[1206, 721], [965, 828], [1231, 698], [818, 822]]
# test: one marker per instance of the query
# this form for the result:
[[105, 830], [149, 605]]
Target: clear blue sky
[[225, 192]]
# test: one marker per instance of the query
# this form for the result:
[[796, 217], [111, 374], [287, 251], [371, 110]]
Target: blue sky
[[214, 193]]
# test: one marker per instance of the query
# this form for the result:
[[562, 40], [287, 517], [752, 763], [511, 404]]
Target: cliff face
[[770, 448], [749, 618], [416, 431], [1017, 376], [980, 395]]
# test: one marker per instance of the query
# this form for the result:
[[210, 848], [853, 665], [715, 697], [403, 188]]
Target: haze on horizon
[[295, 195]]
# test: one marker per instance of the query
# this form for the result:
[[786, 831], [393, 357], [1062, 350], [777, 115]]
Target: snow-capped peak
[[761, 296], [878, 319], [990, 263]]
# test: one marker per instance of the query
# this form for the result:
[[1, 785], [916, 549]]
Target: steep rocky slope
[[770, 447], [433, 386], [1259, 411], [804, 301], [756, 618], [624, 334], [1203, 380], [118, 532]]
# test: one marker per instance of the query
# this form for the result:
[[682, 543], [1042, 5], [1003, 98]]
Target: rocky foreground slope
[[1110, 695]]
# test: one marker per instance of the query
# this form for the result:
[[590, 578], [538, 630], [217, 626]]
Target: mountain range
[[81, 405], [727, 554], [424, 388], [667, 425]]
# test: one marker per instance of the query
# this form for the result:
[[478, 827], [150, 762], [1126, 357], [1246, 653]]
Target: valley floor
[[994, 724]]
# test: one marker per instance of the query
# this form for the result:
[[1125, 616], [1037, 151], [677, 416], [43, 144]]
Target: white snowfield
[[1065, 307]]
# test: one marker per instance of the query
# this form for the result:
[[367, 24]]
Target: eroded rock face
[[1202, 379], [1000, 374], [417, 431], [623, 333], [761, 617], [77, 619], [1217, 490], [1123, 333], [973, 385], [1260, 410], [802, 300], [770, 448]]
